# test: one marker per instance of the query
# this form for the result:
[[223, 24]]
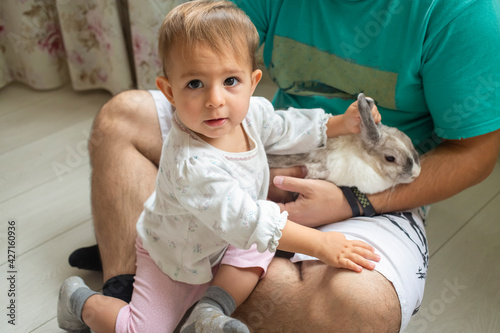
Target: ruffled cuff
[[280, 224], [322, 130]]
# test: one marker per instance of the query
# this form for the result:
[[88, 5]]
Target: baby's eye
[[195, 84], [231, 81]]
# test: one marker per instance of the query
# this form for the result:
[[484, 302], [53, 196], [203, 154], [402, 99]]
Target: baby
[[207, 233]]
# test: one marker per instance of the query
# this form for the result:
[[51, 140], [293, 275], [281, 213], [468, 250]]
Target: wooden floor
[[44, 193]]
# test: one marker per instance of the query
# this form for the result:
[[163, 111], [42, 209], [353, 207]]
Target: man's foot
[[72, 296], [86, 258]]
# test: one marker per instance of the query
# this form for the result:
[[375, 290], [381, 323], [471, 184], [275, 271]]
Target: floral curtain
[[146, 18], [94, 44]]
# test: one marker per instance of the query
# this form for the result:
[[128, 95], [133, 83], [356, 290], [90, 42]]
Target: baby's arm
[[348, 123], [330, 247]]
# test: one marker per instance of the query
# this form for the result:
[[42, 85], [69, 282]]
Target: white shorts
[[399, 238]]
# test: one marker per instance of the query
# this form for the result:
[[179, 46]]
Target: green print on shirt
[[314, 72]]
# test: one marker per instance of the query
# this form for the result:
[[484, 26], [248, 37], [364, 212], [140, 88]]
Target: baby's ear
[[256, 77], [165, 87]]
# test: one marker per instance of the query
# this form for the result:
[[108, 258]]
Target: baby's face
[[211, 94]]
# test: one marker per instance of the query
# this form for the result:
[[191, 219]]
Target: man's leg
[[125, 149], [312, 297]]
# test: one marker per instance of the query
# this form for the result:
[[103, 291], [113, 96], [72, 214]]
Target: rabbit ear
[[370, 132]]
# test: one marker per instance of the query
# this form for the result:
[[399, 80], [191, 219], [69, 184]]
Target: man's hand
[[452, 167], [278, 195], [319, 201]]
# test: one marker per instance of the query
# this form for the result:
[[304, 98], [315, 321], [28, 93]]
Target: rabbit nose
[[408, 166]]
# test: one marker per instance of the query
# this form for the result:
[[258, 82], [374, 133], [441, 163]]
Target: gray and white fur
[[377, 158]]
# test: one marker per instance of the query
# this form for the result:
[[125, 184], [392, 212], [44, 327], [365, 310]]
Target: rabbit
[[377, 158]]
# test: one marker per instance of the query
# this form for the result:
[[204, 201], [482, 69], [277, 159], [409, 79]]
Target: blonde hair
[[217, 24]]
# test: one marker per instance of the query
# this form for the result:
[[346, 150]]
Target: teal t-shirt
[[432, 66]]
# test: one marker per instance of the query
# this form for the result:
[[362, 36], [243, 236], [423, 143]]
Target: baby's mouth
[[216, 122]]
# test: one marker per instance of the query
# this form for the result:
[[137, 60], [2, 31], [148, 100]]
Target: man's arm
[[449, 169]]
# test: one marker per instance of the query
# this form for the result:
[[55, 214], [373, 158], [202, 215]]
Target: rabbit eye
[[390, 158]]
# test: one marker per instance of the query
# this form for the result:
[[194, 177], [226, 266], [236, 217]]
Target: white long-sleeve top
[[207, 198]]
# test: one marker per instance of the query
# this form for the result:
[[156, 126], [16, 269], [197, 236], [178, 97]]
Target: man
[[434, 71]]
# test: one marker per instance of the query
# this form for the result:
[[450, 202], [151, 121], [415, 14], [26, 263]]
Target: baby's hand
[[335, 250], [353, 119]]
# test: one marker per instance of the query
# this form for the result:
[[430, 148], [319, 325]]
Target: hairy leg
[[125, 149], [312, 297]]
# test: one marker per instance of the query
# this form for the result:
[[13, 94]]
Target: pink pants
[[159, 303]]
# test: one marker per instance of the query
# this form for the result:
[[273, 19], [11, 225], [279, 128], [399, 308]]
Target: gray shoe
[[66, 317]]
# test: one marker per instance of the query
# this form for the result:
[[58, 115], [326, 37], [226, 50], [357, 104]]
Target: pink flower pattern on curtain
[[94, 44]]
